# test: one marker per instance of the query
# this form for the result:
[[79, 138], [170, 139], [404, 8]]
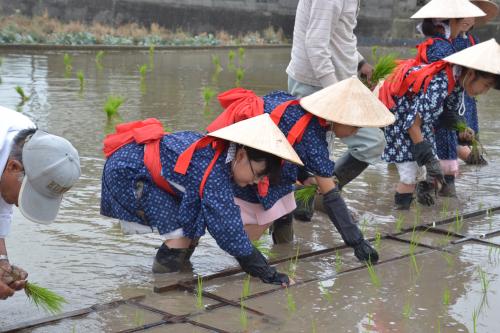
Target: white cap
[[52, 167]]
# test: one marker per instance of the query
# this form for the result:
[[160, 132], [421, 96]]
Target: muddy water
[[85, 257]]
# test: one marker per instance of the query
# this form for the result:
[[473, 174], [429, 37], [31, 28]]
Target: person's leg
[[446, 144], [364, 148], [299, 89], [408, 174], [282, 229], [174, 253], [255, 231]]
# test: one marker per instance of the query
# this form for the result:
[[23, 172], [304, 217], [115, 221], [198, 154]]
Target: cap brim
[[36, 207]]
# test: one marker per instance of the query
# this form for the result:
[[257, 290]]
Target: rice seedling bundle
[[44, 298], [305, 194]]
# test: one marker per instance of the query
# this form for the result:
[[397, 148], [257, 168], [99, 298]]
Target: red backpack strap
[[297, 131], [239, 104], [219, 148], [472, 40], [152, 162]]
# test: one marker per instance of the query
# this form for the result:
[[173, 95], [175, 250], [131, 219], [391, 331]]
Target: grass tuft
[[112, 105]]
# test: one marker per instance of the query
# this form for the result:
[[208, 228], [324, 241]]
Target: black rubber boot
[[347, 168], [305, 210], [169, 260], [364, 251], [403, 200], [448, 189], [282, 230]]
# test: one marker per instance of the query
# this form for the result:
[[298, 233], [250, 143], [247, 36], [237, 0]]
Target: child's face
[[245, 171], [465, 24], [343, 131], [476, 85]]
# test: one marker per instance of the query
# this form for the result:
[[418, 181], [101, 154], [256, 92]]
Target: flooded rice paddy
[[434, 278]]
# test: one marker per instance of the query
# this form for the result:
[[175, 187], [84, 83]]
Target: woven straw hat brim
[[348, 102], [484, 56], [489, 7], [447, 9], [260, 133]]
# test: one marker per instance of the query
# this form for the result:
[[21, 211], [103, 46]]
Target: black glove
[[449, 120], [303, 174], [424, 193], [256, 265], [423, 155]]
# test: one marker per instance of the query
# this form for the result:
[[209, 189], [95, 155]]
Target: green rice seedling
[[338, 261], [414, 241], [326, 293], [446, 296], [217, 68], [407, 310], [305, 194], [73, 330], [152, 56], [292, 265], [450, 261], [112, 105], [81, 79], [44, 298], [364, 226], [384, 66], [438, 326], [139, 318], [21, 93], [199, 293], [370, 319], [241, 56], [459, 221], [484, 280], [245, 292], [445, 208], [98, 60], [378, 240], [399, 223], [259, 245], [373, 275], [231, 55], [240, 74], [475, 314], [477, 149], [418, 214], [313, 324], [208, 94], [243, 316], [290, 301], [143, 70], [68, 64], [481, 205]]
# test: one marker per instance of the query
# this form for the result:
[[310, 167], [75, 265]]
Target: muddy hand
[[5, 291]]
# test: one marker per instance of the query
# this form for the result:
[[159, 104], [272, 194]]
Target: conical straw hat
[[489, 7], [446, 9], [260, 133], [484, 56], [348, 102]]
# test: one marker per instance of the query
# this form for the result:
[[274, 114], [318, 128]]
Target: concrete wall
[[379, 20]]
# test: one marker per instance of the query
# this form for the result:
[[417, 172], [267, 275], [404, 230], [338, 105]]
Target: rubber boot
[[347, 168], [364, 251], [403, 200], [448, 189], [305, 210], [169, 260], [282, 230]]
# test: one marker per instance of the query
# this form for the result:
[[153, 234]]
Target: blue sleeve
[[222, 216], [439, 50], [313, 150]]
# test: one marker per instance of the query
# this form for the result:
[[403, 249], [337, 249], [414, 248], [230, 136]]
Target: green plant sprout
[[459, 221], [475, 314], [445, 208], [378, 240], [484, 280], [313, 326], [98, 60], [139, 318], [68, 64], [446, 296], [305, 194], [199, 293], [290, 301], [438, 326], [399, 223], [326, 293], [370, 318], [81, 79], [217, 68], [152, 56], [44, 298], [292, 265], [414, 241], [112, 105], [230, 57], [241, 56], [481, 205], [477, 149], [143, 70], [418, 214], [245, 292], [240, 74], [20, 92], [364, 226], [373, 275], [208, 94], [407, 310], [494, 254], [338, 261], [384, 66], [259, 245]]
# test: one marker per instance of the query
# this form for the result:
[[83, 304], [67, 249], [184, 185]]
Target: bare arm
[[415, 132]]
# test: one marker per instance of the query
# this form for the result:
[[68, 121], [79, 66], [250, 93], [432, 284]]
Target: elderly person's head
[[41, 167]]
